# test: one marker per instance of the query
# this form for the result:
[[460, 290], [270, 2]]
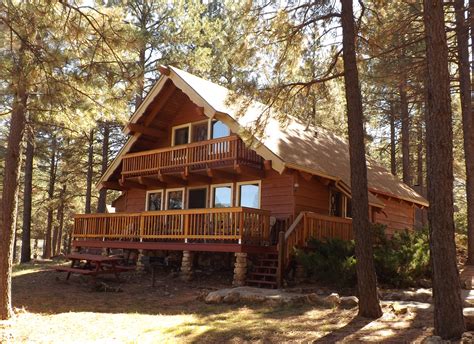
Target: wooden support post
[[281, 259]]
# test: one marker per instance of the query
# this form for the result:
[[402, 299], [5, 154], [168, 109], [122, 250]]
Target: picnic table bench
[[92, 265]]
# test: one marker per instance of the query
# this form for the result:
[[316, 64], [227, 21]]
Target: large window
[[197, 198], [248, 194], [154, 200], [174, 199], [219, 129], [221, 196], [200, 131]]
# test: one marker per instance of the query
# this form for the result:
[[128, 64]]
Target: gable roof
[[295, 145]]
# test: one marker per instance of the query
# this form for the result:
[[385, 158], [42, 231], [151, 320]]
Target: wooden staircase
[[264, 273]]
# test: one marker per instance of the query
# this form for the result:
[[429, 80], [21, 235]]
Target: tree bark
[[101, 205], [27, 198], [462, 37], [448, 315], [405, 119], [369, 305], [393, 144], [11, 186], [58, 230], [48, 251], [90, 171]]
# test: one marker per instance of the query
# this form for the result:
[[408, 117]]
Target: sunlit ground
[[50, 310]]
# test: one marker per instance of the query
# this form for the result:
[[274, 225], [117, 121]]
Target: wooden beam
[[127, 184], [267, 164], [168, 179], [194, 177], [138, 128], [164, 70], [219, 174], [164, 96], [111, 186], [250, 171], [151, 182], [306, 176]]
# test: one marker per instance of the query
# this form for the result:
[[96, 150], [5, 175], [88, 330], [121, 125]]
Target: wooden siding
[[312, 196], [397, 215], [277, 194]]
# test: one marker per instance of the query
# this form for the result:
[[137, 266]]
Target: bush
[[400, 261]]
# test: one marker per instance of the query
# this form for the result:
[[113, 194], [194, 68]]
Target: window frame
[[162, 191], [250, 182], [213, 186], [211, 131], [181, 126], [167, 197]]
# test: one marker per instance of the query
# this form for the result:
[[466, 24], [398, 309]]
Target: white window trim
[[154, 191], [208, 121], [175, 189], [213, 186], [252, 182], [197, 188], [173, 129], [346, 199]]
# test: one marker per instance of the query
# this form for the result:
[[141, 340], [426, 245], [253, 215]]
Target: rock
[[232, 297], [467, 338], [425, 283], [333, 300], [433, 340], [213, 298], [399, 309], [320, 292], [348, 302], [422, 295], [255, 298], [469, 318]]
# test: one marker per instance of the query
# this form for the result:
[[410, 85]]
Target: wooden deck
[[175, 228], [197, 156]]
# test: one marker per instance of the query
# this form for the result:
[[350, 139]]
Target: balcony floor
[[175, 246]]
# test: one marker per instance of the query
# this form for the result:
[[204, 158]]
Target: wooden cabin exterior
[[195, 177]]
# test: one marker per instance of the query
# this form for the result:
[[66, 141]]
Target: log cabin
[[201, 173]]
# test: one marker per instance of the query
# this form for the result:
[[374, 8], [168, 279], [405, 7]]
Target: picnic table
[[92, 265]]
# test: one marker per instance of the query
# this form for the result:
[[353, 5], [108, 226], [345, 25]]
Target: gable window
[[219, 130], [221, 196], [200, 131], [248, 194], [174, 199], [154, 200], [181, 135]]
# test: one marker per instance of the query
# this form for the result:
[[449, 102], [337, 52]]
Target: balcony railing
[[242, 225], [194, 156]]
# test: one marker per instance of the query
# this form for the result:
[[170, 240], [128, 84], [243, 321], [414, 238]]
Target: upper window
[[219, 129], [336, 200], [180, 136], [154, 200], [222, 196], [249, 194], [200, 131]]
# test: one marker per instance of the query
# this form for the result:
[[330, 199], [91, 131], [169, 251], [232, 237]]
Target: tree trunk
[[90, 171], [462, 37], [101, 205], [52, 181], [448, 315], [405, 119], [393, 145], [58, 230], [27, 198], [11, 176], [369, 305], [420, 213]]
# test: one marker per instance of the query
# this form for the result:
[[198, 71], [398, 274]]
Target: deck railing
[[197, 155], [309, 225], [244, 225]]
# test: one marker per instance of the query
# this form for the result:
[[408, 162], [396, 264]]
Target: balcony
[[237, 225], [224, 152]]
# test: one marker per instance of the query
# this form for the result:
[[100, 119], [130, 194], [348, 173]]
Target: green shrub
[[400, 261]]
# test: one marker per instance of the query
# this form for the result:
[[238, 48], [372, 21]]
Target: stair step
[[262, 274], [265, 267], [269, 260], [262, 282]]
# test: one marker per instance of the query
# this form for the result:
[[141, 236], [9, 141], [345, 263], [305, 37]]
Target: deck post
[[140, 263], [281, 259], [187, 266], [240, 270]]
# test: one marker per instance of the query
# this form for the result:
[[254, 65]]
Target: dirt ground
[[52, 310]]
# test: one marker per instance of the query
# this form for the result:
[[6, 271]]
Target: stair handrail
[[282, 247]]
